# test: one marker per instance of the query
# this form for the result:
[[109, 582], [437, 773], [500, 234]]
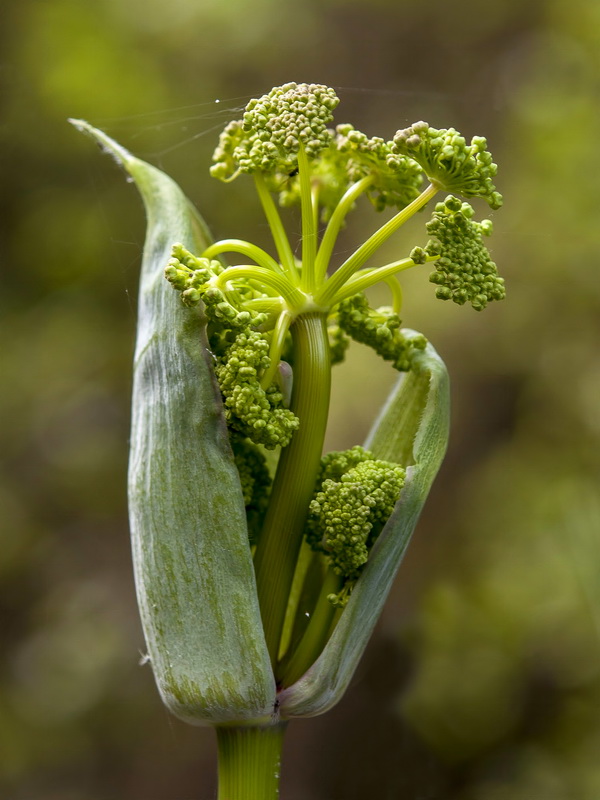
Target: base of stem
[[249, 762]]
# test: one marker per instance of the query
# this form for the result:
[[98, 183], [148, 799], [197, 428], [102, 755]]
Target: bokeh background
[[483, 680]]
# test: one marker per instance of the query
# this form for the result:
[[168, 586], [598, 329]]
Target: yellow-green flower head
[[355, 495], [449, 161], [379, 329], [352, 156], [273, 129], [225, 166], [396, 179]]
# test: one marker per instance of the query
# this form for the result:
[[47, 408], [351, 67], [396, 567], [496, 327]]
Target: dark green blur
[[483, 682]]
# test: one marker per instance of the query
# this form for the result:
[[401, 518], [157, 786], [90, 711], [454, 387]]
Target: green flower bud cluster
[[255, 481], [356, 496], [333, 466], [189, 274], [465, 271], [418, 255], [352, 156], [396, 179], [379, 329], [241, 352], [273, 129], [193, 277], [258, 414], [449, 161], [337, 462], [225, 165]]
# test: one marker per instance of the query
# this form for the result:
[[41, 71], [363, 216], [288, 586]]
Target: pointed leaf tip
[[122, 156]]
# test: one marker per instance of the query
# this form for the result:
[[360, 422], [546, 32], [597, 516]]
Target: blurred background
[[483, 679]]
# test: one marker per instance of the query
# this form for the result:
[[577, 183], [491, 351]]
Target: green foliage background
[[483, 682]]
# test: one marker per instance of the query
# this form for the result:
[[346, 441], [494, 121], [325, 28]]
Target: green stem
[[294, 483], [280, 283], [277, 341], [282, 243], [245, 248], [301, 601], [271, 305], [249, 762], [335, 223], [315, 192], [315, 636], [396, 290], [373, 243], [371, 277], [309, 229]]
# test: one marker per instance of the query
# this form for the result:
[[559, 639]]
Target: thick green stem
[[294, 483], [249, 762]]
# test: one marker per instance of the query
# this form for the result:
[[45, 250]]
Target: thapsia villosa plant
[[261, 565]]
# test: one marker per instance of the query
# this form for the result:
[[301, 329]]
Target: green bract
[[193, 568]]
